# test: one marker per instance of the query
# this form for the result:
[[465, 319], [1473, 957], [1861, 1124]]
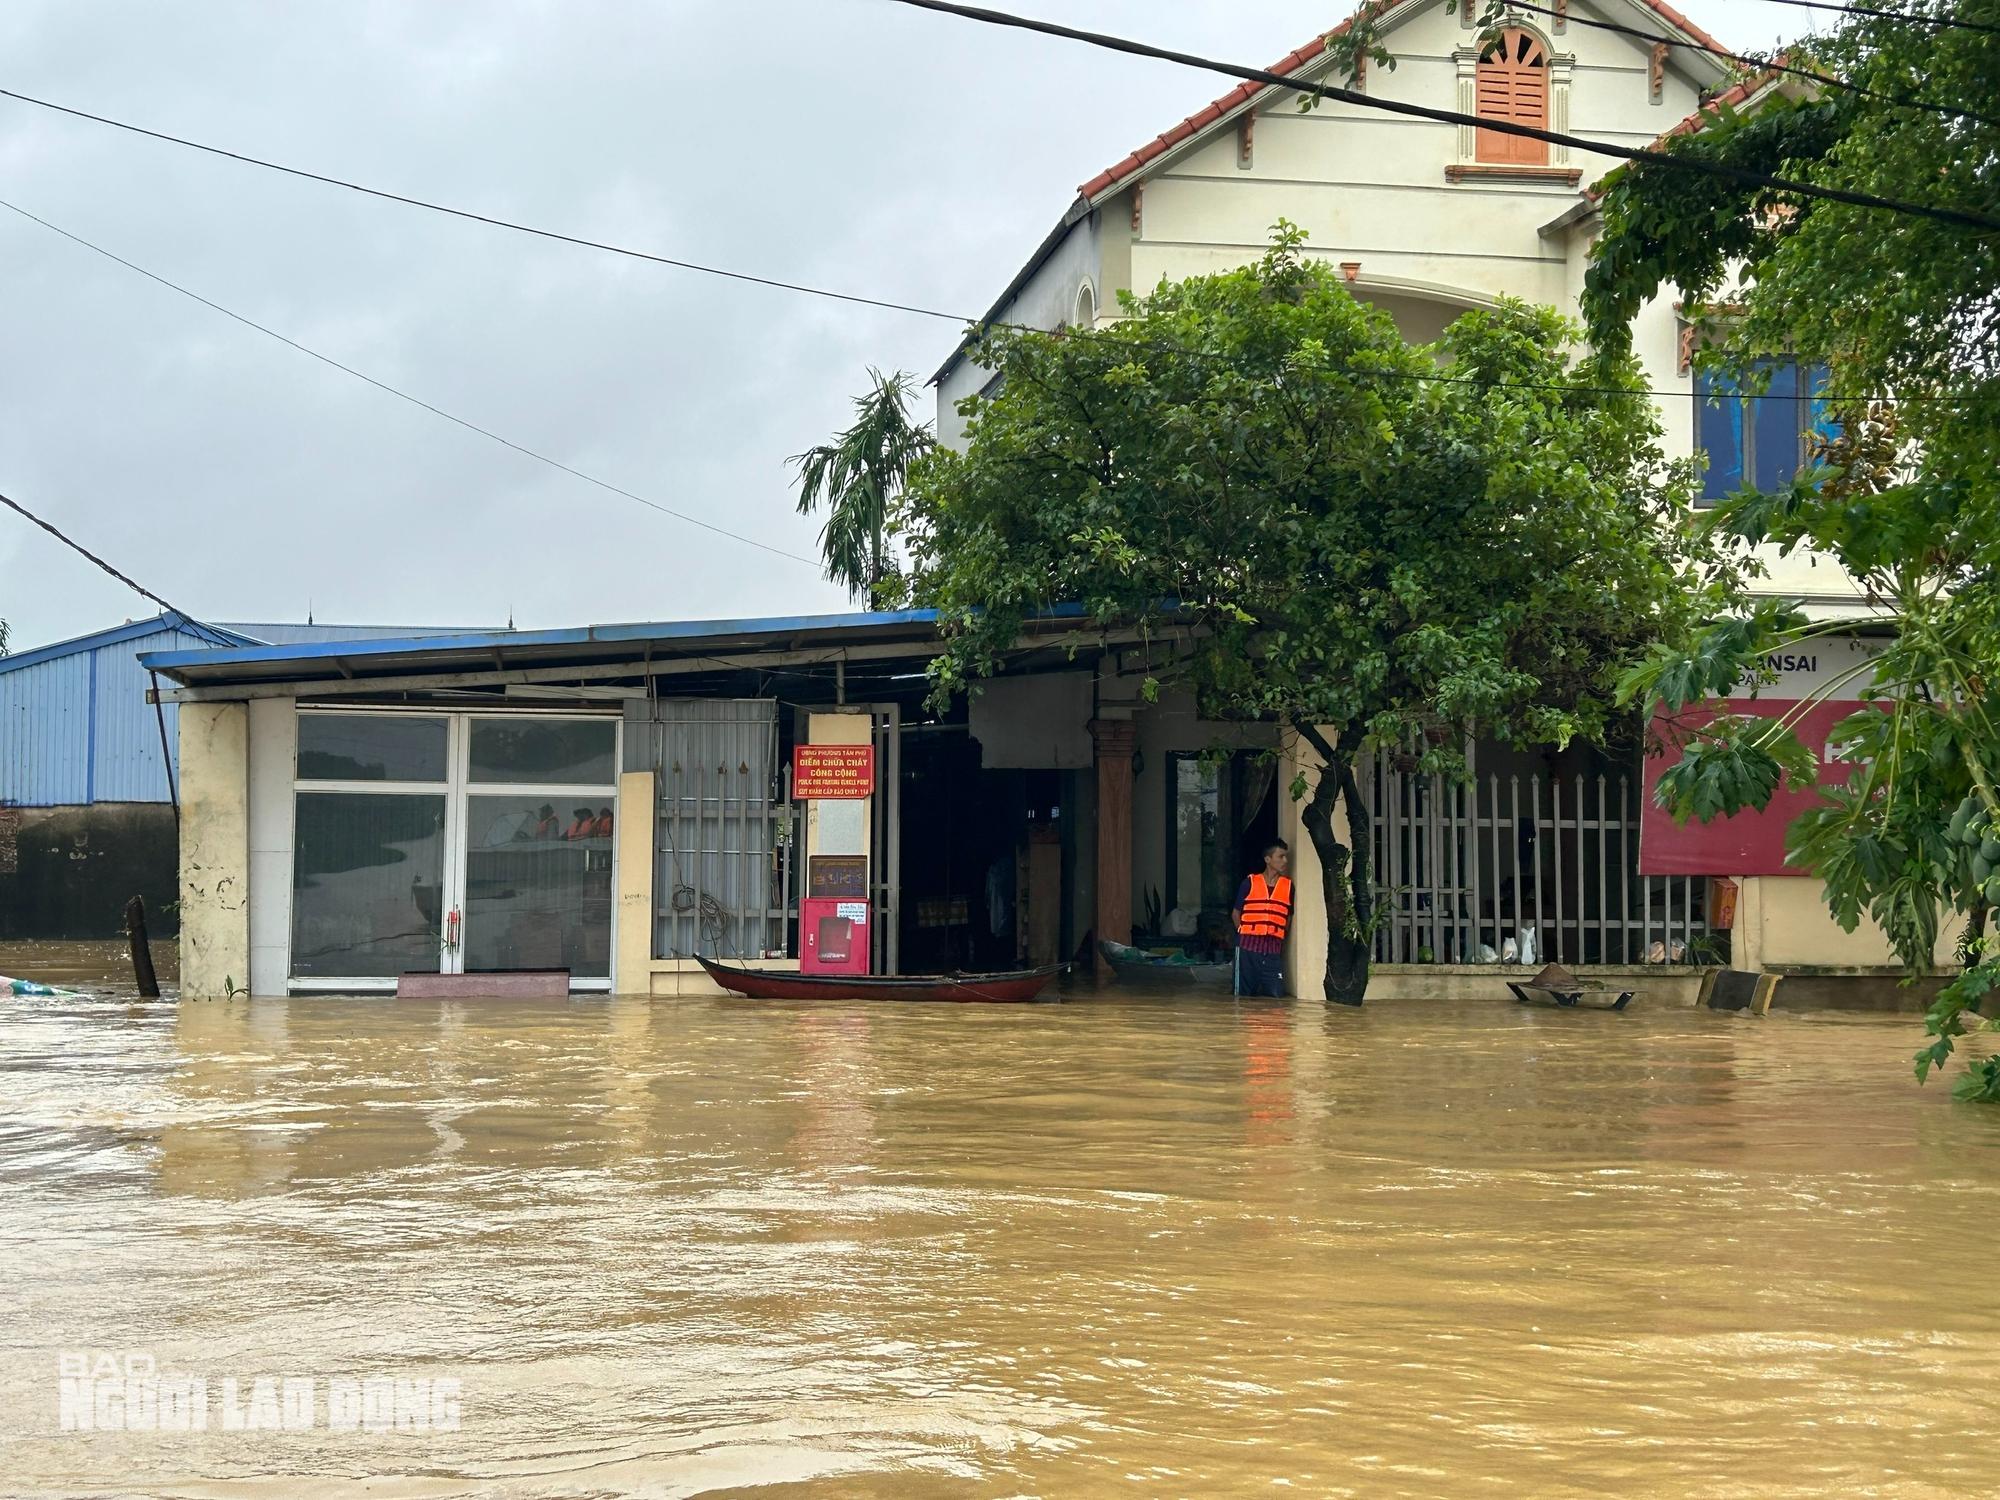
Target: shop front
[[605, 807], [428, 843]]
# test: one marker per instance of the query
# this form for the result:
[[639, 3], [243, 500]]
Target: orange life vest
[[1267, 910]]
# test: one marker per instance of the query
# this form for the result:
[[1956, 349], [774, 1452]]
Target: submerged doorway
[[429, 843], [1222, 813]]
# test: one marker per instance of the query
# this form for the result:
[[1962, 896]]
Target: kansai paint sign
[[838, 772], [1753, 843]]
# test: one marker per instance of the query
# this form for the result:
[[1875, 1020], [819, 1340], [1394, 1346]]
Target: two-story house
[[1547, 855]]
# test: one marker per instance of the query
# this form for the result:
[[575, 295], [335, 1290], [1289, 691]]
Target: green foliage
[[859, 476], [1732, 763], [1905, 315], [1356, 43], [1333, 529]]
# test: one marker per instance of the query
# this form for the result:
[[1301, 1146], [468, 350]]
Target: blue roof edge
[[504, 639], [130, 631]]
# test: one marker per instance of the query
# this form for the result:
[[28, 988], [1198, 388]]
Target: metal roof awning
[[594, 653]]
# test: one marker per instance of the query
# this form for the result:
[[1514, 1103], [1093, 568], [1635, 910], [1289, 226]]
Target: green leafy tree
[[859, 477], [1365, 542], [1904, 314]]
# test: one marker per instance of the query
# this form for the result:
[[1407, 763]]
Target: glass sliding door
[[536, 899], [458, 843], [368, 862]]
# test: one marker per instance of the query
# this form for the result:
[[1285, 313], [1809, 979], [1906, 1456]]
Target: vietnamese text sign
[[838, 771]]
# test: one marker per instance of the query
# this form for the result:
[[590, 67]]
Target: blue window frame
[[1758, 440]]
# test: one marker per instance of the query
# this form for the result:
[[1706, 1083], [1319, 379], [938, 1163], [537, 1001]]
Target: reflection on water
[[1111, 1247]]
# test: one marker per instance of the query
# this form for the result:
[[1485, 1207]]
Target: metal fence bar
[[1626, 864], [1476, 914], [1446, 885], [1603, 854]]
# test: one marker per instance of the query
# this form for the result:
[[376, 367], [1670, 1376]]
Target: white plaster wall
[[1371, 187], [215, 849], [1048, 301], [1782, 922], [273, 751]]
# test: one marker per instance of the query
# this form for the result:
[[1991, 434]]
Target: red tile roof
[[1290, 63], [1729, 98]]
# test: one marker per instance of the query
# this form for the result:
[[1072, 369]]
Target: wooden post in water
[[142, 950]]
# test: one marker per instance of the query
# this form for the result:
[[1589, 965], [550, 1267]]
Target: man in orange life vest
[[1263, 915]]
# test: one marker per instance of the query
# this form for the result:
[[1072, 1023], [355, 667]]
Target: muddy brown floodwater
[[1109, 1247]]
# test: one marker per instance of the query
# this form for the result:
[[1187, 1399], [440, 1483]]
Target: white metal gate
[[723, 848], [1536, 869]]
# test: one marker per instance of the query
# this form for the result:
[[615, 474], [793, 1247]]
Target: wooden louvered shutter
[[1513, 84]]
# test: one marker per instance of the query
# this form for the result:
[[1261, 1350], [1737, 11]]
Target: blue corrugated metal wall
[[77, 728]]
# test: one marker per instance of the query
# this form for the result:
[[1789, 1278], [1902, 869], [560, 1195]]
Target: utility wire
[[1942, 23], [1955, 217], [381, 385], [1565, 389], [78, 547], [479, 218], [1768, 65]]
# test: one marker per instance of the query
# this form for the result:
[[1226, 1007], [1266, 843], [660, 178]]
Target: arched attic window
[[1086, 307], [1513, 84]]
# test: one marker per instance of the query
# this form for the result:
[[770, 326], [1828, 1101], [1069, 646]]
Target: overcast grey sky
[[851, 144]]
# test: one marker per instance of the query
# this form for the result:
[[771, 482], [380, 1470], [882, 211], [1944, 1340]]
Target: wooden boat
[[787, 984], [1556, 986], [1155, 974]]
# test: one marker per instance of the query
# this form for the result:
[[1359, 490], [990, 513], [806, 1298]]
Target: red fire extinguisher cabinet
[[833, 936]]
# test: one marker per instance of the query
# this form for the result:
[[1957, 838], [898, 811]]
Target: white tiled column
[[274, 742]]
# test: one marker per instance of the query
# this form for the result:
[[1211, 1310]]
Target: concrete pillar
[[632, 965], [215, 848], [1115, 739]]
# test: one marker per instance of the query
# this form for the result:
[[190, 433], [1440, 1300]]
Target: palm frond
[[857, 477]]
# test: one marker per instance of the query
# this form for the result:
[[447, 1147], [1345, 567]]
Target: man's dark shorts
[[1259, 973]]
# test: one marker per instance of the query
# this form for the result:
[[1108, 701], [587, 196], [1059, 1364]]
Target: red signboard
[[1829, 675], [833, 771], [1752, 842]]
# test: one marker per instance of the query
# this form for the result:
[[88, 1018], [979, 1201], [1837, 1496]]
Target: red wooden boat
[[788, 984]]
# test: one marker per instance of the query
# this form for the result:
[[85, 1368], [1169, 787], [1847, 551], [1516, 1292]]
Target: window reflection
[[371, 747], [1754, 437], [367, 884], [538, 885], [551, 751]]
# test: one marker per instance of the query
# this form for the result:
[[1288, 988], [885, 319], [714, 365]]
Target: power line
[[78, 547], [1768, 65], [1565, 389], [479, 218], [381, 385], [1955, 217], [1942, 23]]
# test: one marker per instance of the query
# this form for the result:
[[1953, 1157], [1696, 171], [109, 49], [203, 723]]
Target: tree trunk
[[1343, 872]]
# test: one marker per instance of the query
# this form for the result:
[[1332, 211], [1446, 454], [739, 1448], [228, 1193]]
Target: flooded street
[[1116, 1246]]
